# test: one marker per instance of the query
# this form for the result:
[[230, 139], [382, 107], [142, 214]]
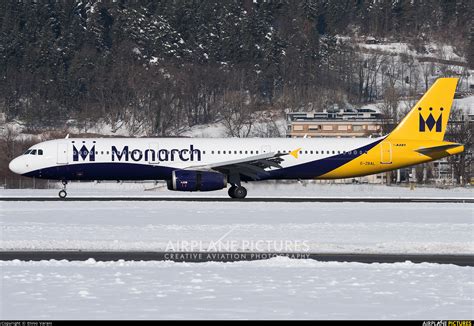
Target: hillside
[[160, 67]]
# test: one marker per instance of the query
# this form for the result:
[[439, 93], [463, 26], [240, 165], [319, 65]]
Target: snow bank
[[279, 288]]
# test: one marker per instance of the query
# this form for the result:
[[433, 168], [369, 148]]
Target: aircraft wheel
[[231, 191], [62, 194], [240, 193]]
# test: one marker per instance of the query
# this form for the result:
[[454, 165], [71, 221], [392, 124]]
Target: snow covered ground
[[279, 288], [320, 227], [439, 51]]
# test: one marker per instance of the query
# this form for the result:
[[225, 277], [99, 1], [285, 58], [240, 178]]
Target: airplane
[[200, 164]]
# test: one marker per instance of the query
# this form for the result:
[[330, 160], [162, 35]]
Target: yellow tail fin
[[427, 120]]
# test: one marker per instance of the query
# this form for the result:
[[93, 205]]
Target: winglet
[[295, 152]]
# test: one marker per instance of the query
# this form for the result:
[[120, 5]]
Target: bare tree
[[269, 125], [389, 109], [236, 113], [427, 70], [460, 130], [9, 136]]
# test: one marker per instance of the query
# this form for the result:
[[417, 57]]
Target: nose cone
[[16, 166]]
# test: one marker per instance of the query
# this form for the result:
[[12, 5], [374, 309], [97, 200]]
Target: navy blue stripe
[[104, 171], [129, 171], [318, 168]]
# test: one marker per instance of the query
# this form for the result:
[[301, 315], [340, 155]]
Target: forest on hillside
[[162, 66]]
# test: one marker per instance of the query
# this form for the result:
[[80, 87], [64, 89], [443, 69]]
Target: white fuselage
[[122, 158]]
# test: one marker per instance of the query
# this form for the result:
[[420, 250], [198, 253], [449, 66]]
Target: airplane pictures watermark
[[238, 245], [223, 245], [447, 323]]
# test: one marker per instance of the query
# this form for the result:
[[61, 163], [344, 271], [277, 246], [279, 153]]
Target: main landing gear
[[237, 192], [62, 193]]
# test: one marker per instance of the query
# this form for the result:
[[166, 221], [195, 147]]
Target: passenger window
[[246, 152], [251, 152], [204, 152], [223, 152], [40, 152], [218, 152], [256, 152], [240, 152], [212, 152]]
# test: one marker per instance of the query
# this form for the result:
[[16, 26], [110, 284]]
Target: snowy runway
[[183, 226]]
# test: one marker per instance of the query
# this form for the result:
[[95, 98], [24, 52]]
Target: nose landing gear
[[62, 193]]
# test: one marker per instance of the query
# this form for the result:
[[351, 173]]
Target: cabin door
[[386, 152], [62, 153]]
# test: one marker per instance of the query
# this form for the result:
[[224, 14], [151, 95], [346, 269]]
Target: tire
[[231, 191], [240, 193], [62, 194]]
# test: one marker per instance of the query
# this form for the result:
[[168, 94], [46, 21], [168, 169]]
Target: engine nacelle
[[189, 180]]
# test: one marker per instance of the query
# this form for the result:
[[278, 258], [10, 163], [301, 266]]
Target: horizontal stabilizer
[[429, 150]]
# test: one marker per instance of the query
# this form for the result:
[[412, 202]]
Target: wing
[[251, 166]]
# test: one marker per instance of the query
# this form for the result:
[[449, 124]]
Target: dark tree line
[[162, 66]]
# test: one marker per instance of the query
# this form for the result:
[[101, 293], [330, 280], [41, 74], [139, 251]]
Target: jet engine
[[189, 180]]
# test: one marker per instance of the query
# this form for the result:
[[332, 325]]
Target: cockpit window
[[33, 152], [40, 152], [27, 152]]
